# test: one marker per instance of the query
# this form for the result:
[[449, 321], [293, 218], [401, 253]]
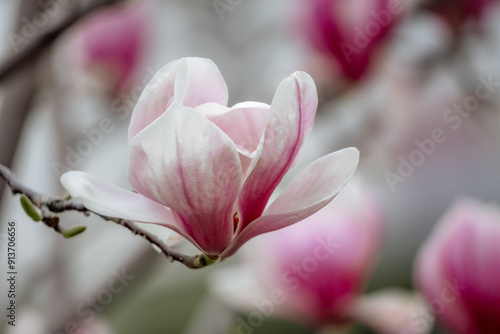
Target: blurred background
[[414, 85]]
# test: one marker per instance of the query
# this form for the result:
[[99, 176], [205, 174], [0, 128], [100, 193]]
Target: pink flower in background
[[348, 31], [458, 268], [113, 43], [208, 171], [322, 263]]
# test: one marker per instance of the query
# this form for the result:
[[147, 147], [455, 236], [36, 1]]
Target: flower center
[[236, 220]]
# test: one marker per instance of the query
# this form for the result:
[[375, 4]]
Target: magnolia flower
[[320, 264], [111, 44], [348, 31], [207, 171], [458, 268]]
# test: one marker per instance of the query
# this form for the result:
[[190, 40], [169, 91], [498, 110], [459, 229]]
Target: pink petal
[[464, 248], [183, 161], [291, 119], [350, 232], [244, 123], [187, 81], [431, 281], [391, 311], [308, 192], [110, 200], [199, 81]]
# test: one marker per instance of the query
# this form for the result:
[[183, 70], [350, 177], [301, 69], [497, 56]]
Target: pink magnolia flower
[[207, 171], [348, 31], [113, 41], [458, 268], [320, 264]]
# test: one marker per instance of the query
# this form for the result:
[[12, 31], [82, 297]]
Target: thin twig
[[48, 205], [18, 68]]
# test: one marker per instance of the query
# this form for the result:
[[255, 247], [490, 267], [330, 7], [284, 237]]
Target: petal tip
[[351, 155]]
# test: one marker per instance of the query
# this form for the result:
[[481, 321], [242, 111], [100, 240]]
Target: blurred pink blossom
[[458, 268], [112, 43], [349, 32], [322, 263], [207, 171]]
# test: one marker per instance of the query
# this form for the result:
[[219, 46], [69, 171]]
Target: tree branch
[[17, 70], [48, 205], [19, 91]]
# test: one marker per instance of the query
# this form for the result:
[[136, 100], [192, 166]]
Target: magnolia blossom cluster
[[208, 171], [459, 266], [313, 272]]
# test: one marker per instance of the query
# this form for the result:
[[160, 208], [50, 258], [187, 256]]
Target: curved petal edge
[[109, 200], [307, 193]]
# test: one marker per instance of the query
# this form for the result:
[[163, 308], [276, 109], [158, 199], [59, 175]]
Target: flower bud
[[322, 263], [458, 268]]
